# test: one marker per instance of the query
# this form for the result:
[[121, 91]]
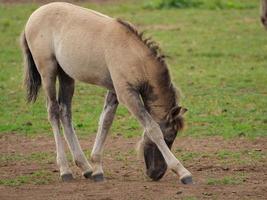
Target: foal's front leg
[[133, 102], [105, 122]]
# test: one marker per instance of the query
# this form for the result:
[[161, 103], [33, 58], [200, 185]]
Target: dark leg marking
[[98, 178], [66, 177], [187, 180]]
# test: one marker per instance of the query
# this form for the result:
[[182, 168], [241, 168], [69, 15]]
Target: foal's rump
[[72, 36]]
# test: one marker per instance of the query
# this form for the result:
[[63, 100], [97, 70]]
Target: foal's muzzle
[[155, 163]]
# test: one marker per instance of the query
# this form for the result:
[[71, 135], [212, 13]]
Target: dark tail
[[32, 78]]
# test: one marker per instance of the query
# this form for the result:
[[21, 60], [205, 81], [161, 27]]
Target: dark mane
[[165, 79], [152, 45]]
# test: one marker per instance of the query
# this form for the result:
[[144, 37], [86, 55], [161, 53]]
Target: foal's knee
[[95, 158], [154, 133]]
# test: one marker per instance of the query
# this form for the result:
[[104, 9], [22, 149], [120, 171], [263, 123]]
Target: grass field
[[217, 57]]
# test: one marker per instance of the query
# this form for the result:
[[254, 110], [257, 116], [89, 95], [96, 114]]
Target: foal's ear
[[176, 112]]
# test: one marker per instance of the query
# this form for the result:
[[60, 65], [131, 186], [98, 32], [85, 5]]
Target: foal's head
[[161, 92], [155, 163], [264, 12]]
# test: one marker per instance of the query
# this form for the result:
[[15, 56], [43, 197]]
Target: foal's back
[[75, 38], [87, 45]]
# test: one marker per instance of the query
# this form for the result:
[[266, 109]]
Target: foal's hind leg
[[49, 84], [105, 122], [66, 90]]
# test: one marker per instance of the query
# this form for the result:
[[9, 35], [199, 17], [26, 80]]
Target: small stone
[[179, 192], [225, 168], [258, 149], [146, 187], [207, 194]]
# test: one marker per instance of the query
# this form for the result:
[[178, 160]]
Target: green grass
[[37, 157], [45, 157], [38, 178], [217, 57], [201, 4], [227, 180], [245, 157], [224, 157]]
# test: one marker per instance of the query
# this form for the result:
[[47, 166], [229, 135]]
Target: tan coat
[[66, 42]]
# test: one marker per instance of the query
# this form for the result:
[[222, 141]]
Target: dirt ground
[[124, 173]]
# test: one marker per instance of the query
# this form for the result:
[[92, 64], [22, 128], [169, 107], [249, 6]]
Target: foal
[[66, 42]]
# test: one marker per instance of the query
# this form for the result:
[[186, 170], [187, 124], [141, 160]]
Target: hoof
[[88, 174], [98, 177], [66, 177], [187, 180]]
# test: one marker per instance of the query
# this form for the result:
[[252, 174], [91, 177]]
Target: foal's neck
[[159, 94]]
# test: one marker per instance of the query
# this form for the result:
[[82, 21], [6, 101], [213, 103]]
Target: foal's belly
[[97, 75], [84, 63], [92, 73]]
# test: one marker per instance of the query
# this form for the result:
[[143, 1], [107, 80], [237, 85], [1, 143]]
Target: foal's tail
[[32, 78]]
